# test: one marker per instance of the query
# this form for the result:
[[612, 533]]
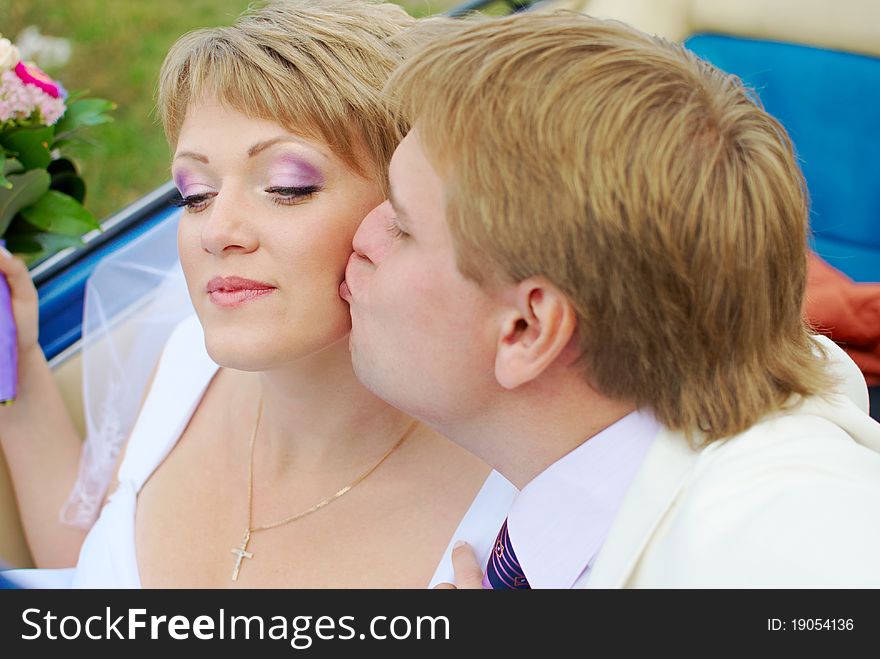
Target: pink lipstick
[[344, 291], [234, 291]]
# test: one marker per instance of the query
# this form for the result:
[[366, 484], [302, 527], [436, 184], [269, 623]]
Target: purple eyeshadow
[[293, 172], [182, 180], [189, 183]]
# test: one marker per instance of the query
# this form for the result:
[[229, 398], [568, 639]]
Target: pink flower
[[32, 74], [20, 102]]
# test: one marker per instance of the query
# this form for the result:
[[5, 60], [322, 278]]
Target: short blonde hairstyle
[[643, 182], [316, 67]]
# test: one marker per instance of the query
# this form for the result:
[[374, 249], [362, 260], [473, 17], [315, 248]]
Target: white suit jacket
[[792, 502]]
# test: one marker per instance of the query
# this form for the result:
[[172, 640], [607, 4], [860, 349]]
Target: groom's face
[[423, 336]]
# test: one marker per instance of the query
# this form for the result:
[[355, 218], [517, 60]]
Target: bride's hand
[[468, 575], [25, 303]]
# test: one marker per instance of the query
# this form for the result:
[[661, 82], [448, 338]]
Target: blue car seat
[[829, 101]]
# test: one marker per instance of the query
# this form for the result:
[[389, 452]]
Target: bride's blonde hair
[[316, 67]]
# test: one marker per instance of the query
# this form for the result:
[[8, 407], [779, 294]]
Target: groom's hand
[[468, 574]]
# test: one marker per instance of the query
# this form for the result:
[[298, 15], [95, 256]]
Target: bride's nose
[[228, 227]]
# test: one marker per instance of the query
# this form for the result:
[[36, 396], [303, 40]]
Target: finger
[[468, 574], [445, 586], [11, 266], [16, 273]]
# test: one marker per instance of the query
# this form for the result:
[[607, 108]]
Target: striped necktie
[[503, 570]]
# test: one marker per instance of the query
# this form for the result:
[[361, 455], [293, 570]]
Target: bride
[[257, 459]]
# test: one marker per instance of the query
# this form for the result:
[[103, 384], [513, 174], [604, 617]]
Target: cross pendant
[[241, 552]]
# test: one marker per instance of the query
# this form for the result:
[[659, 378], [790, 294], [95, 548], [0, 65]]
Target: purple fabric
[[8, 344]]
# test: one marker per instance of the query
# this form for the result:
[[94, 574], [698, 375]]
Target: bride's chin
[[256, 352], [239, 360], [239, 348]]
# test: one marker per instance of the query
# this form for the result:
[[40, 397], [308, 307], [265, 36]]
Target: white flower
[[48, 52], [9, 55]]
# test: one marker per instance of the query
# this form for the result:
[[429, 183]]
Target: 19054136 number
[[821, 624]]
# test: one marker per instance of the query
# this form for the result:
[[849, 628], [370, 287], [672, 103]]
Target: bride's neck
[[317, 416]]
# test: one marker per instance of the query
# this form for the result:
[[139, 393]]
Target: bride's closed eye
[[281, 195], [194, 202], [289, 195]]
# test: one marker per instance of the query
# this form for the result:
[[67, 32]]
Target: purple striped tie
[[503, 570]]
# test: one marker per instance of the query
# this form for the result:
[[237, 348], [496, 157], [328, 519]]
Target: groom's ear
[[538, 323]]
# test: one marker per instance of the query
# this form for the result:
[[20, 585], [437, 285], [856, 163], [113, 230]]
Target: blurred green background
[[117, 50]]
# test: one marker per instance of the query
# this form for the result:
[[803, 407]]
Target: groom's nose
[[372, 239]]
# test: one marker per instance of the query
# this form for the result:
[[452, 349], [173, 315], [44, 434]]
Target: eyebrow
[[256, 149], [191, 155], [259, 147]]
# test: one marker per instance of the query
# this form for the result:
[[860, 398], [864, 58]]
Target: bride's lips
[[234, 291], [344, 291]]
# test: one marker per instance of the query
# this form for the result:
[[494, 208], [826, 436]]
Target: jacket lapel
[[652, 493], [844, 413], [667, 467]]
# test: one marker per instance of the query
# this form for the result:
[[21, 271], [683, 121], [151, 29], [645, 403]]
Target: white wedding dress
[[108, 558]]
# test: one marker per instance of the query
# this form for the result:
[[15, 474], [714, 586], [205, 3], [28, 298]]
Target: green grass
[[118, 47]]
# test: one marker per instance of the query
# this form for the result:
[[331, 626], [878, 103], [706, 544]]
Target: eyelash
[[283, 196], [287, 196], [193, 203], [394, 229]]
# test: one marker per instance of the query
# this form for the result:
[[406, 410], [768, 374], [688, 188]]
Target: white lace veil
[[134, 299]]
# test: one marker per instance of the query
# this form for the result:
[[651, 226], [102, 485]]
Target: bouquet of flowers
[[41, 193]]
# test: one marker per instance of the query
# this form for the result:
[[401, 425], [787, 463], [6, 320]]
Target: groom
[[590, 274]]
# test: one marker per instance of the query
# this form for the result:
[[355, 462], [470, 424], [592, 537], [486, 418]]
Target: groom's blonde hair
[[648, 186]]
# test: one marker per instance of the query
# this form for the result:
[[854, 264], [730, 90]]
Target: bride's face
[[266, 232]]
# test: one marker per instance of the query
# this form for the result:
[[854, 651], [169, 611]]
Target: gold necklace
[[242, 552]]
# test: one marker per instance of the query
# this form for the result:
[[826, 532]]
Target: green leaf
[[83, 112], [70, 184], [8, 166], [24, 246], [61, 166], [31, 146], [35, 245], [26, 189], [75, 96], [54, 242], [65, 179], [56, 212], [12, 166]]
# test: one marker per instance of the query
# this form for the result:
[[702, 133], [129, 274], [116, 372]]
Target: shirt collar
[[560, 519]]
